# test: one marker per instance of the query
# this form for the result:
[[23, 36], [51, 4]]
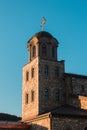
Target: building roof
[[6, 124], [42, 34], [68, 110], [62, 111], [75, 75]]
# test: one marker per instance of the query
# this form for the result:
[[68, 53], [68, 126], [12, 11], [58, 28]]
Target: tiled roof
[[6, 124]]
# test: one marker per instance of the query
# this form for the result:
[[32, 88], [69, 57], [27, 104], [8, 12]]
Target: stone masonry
[[51, 98]]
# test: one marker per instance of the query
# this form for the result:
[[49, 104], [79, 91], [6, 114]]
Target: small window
[[26, 98], [82, 89], [73, 80], [56, 71], [56, 95], [34, 51], [53, 51], [27, 76], [74, 85], [32, 72], [44, 50], [46, 70], [46, 94], [32, 95]]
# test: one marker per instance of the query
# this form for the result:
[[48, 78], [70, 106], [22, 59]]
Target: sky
[[66, 20]]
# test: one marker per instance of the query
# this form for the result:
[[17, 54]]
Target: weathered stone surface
[[77, 90], [69, 89], [30, 109], [68, 123]]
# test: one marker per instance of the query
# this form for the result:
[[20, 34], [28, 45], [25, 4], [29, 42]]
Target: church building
[[51, 98]]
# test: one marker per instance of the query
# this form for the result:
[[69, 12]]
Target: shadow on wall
[[78, 101], [37, 127], [76, 93], [74, 100]]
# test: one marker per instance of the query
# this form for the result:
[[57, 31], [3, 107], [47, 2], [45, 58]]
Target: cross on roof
[[42, 23]]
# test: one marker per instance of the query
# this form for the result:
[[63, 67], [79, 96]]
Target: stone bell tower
[[42, 77]]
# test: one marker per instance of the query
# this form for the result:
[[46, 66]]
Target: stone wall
[[52, 83], [30, 109], [77, 89], [40, 123], [68, 123], [49, 122]]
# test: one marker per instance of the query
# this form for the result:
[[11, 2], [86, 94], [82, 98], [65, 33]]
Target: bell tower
[[42, 77]]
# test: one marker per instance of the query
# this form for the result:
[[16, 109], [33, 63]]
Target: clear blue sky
[[19, 20]]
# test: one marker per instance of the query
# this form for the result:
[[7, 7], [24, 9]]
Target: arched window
[[46, 70], [34, 51], [32, 72], [27, 76], [46, 94], [82, 89], [26, 98], [56, 71], [56, 95], [44, 52], [53, 51], [32, 95]]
